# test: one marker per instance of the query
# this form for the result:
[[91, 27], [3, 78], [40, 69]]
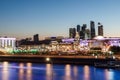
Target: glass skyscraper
[[36, 38], [92, 28], [83, 31], [100, 29], [72, 32]]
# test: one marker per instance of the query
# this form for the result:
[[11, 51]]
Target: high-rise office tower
[[87, 34], [82, 32], [78, 29], [100, 29], [36, 38], [72, 32], [92, 28]]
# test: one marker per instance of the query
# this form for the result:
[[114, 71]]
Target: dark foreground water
[[35, 71]]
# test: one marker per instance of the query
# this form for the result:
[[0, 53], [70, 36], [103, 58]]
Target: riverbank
[[54, 59]]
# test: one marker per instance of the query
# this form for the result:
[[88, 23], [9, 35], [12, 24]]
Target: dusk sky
[[24, 18]]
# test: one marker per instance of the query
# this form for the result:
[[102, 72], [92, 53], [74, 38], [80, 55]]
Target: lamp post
[[50, 61], [47, 59]]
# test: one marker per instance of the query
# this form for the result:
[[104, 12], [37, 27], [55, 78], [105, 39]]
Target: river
[[38, 71]]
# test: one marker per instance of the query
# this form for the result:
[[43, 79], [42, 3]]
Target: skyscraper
[[72, 32], [36, 38], [92, 28], [82, 32], [100, 29], [87, 34], [78, 29]]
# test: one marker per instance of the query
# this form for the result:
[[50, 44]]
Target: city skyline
[[24, 18]]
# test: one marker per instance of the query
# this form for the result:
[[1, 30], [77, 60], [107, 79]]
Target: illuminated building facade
[[72, 45], [7, 43]]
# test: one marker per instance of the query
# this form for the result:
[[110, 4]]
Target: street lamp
[[47, 59]]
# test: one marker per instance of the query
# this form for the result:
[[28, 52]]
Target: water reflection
[[75, 71], [68, 72], [33, 71], [5, 72], [21, 71], [29, 71], [109, 74], [86, 72], [49, 72]]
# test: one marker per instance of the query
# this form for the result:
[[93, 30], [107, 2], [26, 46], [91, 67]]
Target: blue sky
[[24, 18]]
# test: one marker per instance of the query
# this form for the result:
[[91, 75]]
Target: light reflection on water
[[21, 71], [5, 72], [49, 72], [34, 71], [86, 73], [29, 71], [109, 74], [68, 72], [75, 71]]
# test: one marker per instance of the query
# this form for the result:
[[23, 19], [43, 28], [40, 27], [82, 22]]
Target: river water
[[37, 71]]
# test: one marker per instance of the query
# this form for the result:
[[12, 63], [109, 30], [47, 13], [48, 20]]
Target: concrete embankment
[[89, 60]]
